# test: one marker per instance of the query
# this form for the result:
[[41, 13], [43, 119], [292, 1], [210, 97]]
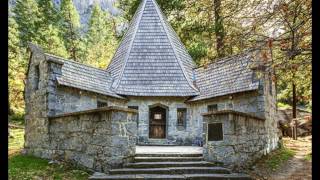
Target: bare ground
[[296, 168]]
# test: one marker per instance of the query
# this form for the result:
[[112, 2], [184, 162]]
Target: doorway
[[157, 122]]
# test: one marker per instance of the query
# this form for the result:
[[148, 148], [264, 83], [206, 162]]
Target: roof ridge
[[170, 41], [75, 62], [130, 46]]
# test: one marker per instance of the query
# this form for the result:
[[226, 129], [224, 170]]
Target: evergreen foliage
[[71, 30], [208, 28], [100, 38]]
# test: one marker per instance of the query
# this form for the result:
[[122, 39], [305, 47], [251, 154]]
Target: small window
[[101, 104], [136, 108], [36, 77], [181, 116], [230, 106], [215, 132], [212, 108]]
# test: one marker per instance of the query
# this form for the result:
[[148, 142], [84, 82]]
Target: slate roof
[[151, 60], [80, 76], [226, 76]]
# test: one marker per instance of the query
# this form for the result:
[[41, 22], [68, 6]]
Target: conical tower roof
[[151, 60]]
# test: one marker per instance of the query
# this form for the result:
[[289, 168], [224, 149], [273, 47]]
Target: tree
[[16, 69], [100, 38], [219, 28], [71, 30], [294, 48], [50, 34], [27, 16]]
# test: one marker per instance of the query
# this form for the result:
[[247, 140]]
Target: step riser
[[188, 171], [168, 155], [168, 159], [222, 177], [167, 165]]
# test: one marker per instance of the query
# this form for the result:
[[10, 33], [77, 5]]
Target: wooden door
[[157, 122]]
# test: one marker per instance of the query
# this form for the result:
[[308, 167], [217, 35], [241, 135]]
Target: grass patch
[[16, 140], [308, 157], [23, 167], [283, 105], [278, 157]]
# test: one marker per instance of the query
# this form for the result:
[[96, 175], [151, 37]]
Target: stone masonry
[[81, 113], [98, 139]]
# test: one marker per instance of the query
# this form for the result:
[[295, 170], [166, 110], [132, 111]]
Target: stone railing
[[99, 139], [240, 138]]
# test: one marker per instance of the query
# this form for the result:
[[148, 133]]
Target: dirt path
[[297, 168]]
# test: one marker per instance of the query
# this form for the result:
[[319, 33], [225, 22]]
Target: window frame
[[135, 108], [210, 136], [212, 105], [184, 117], [102, 102]]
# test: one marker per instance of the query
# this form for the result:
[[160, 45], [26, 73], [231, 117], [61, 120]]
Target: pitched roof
[[151, 60], [226, 76], [80, 76]]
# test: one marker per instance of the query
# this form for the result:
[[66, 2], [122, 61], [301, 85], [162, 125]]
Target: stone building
[[151, 93]]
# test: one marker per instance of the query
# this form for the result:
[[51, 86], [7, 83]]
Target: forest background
[[210, 29]]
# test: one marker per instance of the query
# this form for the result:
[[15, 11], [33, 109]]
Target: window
[[212, 108], [230, 106], [181, 116], [136, 108], [36, 77], [101, 104], [215, 132]]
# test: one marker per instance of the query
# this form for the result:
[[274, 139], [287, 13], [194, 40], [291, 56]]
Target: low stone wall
[[99, 139], [244, 139]]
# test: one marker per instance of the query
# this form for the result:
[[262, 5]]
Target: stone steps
[[234, 176], [171, 166], [172, 170], [169, 155], [169, 159]]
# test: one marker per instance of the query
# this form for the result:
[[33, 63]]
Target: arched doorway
[[157, 122]]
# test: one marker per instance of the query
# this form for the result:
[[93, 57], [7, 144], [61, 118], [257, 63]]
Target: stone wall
[[174, 135], [245, 138], [72, 100], [36, 99], [98, 139], [62, 99]]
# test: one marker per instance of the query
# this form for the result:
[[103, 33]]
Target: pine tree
[[49, 12], [71, 29], [50, 33], [51, 41], [27, 16], [16, 69], [100, 39]]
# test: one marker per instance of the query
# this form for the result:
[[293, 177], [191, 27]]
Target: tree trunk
[[294, 110], [219, 29], [294, 101]]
